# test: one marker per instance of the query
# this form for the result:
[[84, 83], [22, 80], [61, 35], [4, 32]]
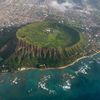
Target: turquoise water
[[78, 82]]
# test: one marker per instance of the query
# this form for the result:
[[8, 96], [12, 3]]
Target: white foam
[[66, 86], [15, 81], [83, 69], [43, 84]]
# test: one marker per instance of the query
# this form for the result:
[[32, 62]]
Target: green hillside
[[48, 43]]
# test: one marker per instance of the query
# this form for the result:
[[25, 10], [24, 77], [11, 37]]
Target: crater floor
[[48, 34]]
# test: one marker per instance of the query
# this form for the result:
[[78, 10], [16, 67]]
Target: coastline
[[59, 68]]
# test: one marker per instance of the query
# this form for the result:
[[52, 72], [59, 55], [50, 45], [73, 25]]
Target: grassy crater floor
[[48, 44], [48, 34]]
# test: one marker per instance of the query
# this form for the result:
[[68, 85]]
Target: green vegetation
[[48, 43], [6, 34], [48, 34]]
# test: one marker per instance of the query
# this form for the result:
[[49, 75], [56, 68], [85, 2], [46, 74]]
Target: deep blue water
[[78, 82]]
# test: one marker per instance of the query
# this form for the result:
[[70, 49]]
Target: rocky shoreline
[[6, 70]]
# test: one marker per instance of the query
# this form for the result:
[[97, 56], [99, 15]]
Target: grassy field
[[48, 34]]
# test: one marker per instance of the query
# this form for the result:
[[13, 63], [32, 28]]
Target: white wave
[[71, 76], [66, 86], [43, 85], [97, 60], [45, 78], [68, 76], [15, 81], [83, 69]]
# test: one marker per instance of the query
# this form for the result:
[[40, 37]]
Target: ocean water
[[80, 81]]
